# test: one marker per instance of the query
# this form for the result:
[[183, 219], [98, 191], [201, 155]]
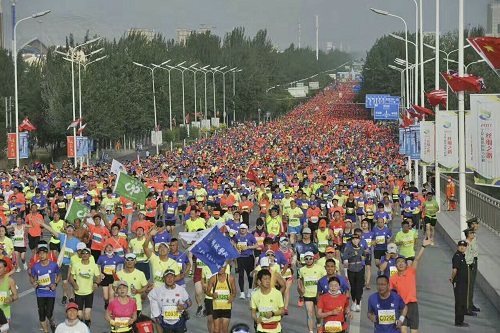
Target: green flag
[[76, 210], [131, 188]]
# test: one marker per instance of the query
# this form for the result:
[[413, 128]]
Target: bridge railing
[[480, 205]]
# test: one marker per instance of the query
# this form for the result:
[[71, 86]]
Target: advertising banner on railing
[[447, 141], [428, 143], [485, 119]]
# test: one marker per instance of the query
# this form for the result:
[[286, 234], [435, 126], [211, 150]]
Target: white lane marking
[[355, 322], [26, 292]]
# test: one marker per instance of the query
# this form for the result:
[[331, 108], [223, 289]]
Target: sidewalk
[[489, 249]]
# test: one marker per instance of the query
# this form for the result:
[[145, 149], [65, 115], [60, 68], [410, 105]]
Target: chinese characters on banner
[[447, 141], [23, 146], [70, 144], [82, 146], [11, 146], [485, 121], [415, 142], [428, 140]]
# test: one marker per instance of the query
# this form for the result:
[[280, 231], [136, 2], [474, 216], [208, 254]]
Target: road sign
[[386, 112], [373, 99]]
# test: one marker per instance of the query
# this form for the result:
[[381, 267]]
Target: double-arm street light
[[385, 13], [234, 93], [224, 91], [14, 55], [152, 69]]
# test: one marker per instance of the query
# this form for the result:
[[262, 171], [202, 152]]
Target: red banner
[[11, 146], [70, 143]]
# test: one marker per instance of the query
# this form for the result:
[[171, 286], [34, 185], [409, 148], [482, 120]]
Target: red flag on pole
[[26, 125], [80, 130], [465, 83], [421, 110], [74, 123], [437, 97], [489, 49]]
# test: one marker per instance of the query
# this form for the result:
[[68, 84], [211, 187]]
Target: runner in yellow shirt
[[267, 305]]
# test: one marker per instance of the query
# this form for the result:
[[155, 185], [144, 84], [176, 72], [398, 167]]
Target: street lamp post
[[385, 13], [193, 70], [234, 94], [461, 121], [152, 69], [14, 55], [205, 71], [223, 91]]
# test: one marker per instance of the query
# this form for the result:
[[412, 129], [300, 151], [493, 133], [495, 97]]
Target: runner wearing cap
[[245, 243], [329, 254], [45, 276], [136, 280], [388, 261], [323, 237], [72, 323], [354, 256], [168, 304], [309, 274], [268, 262], [82, 278], [122, 311], [405, 284], [331, 271]]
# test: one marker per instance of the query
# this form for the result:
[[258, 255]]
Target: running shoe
[[64, 300], [18, 269], [242, 295], [25, 266], [199, 311], [300, 303], [53, 326]]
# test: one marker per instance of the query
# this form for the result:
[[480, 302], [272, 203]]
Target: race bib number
[[333, 326], [314, 219], [322, 245], [123, 321], [61, 205], [380, 239], [109, 269], [170, 210], [158, 277], [139, 254], [44, 280], [260, 240], [3, 296], [68, 252], [241, 245], [170, 313], [222, 296], [393, 270], [310, 281], [18, 239], [408, 241], [336, 231], [386, 317], [350, 211]]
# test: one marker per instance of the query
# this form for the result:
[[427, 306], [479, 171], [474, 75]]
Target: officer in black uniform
[[459, 280]]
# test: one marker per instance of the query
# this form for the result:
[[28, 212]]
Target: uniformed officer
[[474, 251], [460, 280]]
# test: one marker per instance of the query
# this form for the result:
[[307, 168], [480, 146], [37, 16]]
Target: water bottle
[[132, 288]]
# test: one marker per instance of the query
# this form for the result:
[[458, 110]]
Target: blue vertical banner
[[82, 146], [415, 142], [91, 145], [402, 148], [23, 145], [407, 141]]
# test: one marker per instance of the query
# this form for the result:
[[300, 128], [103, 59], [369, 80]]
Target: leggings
[[245, 264], [357, 281]]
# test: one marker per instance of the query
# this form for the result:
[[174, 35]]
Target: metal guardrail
[[480, 205]]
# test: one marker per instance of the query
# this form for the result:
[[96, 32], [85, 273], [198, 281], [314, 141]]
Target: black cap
[[462, 243], [472, 221], [355, 236], [468, 231]]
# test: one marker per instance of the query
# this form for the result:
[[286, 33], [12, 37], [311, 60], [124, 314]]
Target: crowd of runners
[[308, 200]]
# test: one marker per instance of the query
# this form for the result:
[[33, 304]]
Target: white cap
[[308, 254], [392, 248], [80, 246], [264, 262], [243, 226]]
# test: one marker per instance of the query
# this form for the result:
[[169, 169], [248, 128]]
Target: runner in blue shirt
[[382, 236], [182, 261], [386, 309], [45, 277]]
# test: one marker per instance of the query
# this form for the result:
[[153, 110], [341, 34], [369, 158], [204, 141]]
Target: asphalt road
[[436, 304]]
